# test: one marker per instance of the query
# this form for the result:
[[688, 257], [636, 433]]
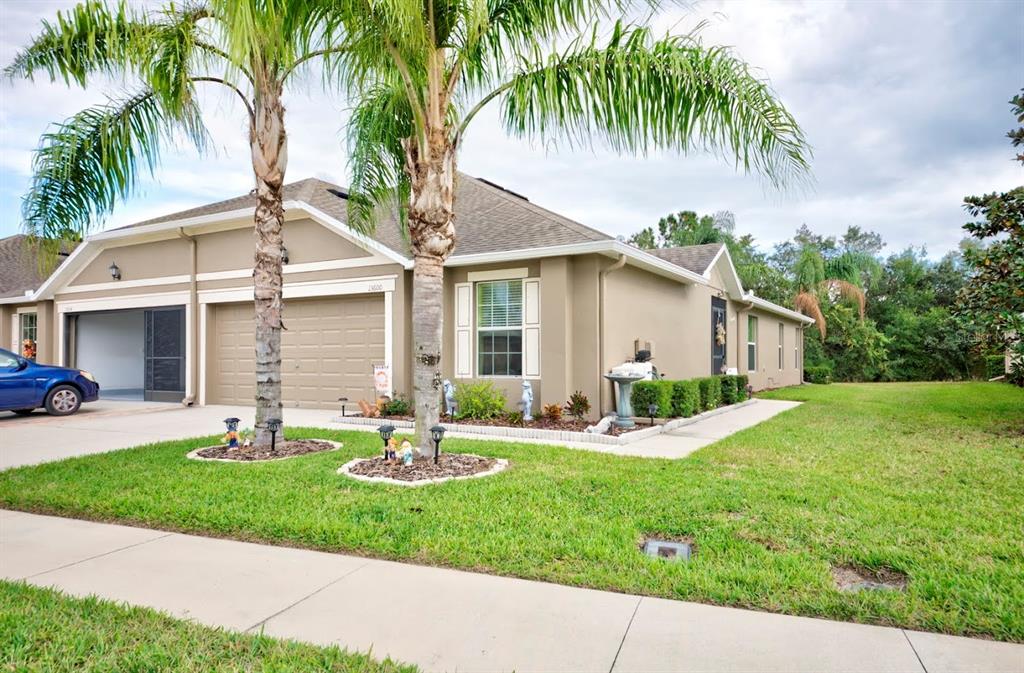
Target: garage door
[[327, 351]]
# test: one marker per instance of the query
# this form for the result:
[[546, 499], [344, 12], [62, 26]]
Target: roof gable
[[19, 267]]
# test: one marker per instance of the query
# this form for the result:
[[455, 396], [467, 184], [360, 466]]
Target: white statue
[[526, 403], [449, 398], [602, 426]]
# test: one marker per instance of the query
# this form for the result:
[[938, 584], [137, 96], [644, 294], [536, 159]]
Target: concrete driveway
[[107, 425]]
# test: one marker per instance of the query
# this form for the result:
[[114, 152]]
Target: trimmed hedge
[[685, 398], [652, 392], [818, 374], [730, 390], [742, 381], [710, 392]]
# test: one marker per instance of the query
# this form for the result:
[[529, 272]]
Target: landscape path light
[[385, 434], [273, 424], [437, 434]]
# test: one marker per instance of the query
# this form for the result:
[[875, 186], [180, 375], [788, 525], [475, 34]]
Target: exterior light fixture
[[284, 255], [115, 272], [273, 424], [385, 434], [750, 391], [652, 409], [437, 434], [343, 400]]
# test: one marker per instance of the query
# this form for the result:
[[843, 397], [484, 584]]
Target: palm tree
[[840, 278], [89, 162], [420, 73]]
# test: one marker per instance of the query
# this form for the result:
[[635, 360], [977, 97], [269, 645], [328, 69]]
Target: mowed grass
[[925, 479], [44, 630]]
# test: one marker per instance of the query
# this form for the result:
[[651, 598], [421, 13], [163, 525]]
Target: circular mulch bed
[[252, 454], [449, 466]]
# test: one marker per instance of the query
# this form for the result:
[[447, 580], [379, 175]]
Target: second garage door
[[327, 351]]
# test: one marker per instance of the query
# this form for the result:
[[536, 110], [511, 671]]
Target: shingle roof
[[488, 217], [696, 258], [19, 267]]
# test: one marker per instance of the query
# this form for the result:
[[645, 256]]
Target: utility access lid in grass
[[673, 550]]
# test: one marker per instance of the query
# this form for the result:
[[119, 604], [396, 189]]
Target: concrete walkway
[[108, 425], [447, 620]]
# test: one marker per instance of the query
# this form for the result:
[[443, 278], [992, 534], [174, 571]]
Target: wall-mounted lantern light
[[385, 434], [115, 272], [437, 434], [284, 255]]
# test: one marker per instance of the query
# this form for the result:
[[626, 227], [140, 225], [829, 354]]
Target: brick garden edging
[[508, 432]]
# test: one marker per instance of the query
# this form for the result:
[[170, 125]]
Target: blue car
[[25, 386]]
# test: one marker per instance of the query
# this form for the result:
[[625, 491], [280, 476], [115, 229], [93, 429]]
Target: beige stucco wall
[[767, 373], [45, 330]]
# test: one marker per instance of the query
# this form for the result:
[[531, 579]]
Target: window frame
[[480, 330], [752, 327], [23, 328]]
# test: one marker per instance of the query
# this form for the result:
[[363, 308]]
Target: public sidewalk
[[447, 620]]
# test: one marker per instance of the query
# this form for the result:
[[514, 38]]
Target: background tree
[[421, 72], [89, 162], [993, 299]]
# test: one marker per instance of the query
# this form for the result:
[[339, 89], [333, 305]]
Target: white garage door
[[327, 351]]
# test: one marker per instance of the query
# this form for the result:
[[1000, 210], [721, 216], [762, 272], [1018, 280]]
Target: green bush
[[710, 392], [652, 392], [479, 401], [742, 381], [730, 389], [995, 365], [818, 374], [397, 406], [685, 398]]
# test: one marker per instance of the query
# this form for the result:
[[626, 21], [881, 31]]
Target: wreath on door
[[720, 334]]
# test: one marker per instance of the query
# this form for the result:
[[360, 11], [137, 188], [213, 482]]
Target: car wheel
[[23, 412], [63, 401]]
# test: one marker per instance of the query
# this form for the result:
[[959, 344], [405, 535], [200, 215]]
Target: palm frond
[[86, 164], [90, 38], [809, 270], [376, 130], [808, 304], [847, 290], [637, 92]]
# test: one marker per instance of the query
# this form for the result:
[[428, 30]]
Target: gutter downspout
[[193, 301], [618, 264]]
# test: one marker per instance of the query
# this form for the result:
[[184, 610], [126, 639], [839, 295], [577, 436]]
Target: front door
[[165, 354], [718, 331]]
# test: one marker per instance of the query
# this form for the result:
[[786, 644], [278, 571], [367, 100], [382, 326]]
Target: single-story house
[[163, 309]]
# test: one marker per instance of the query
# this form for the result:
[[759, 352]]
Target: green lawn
[[925, 479], [43, 630]]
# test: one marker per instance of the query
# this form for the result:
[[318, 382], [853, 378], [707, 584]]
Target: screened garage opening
[[136, 354]]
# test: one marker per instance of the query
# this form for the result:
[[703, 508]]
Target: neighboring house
[[22, 317], [163, 309]]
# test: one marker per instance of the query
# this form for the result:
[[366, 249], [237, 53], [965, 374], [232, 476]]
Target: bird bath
[[625, 409]]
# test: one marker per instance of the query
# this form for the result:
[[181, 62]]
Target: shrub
[[995, 365], [646, 393], [514, 418], [710, 392], [730, 389], [552, 412], [480, 401], [578, 405], [396, 406], [742, 381], [819, 374], [685, 398]]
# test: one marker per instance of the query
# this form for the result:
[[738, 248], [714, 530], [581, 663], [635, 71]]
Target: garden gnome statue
[[232, 435], [449, 397], [527, 402], [406, 452]]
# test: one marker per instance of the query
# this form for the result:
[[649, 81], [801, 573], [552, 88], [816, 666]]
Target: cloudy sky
[[905, 104]]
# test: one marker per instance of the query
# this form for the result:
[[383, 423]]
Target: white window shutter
[[531, 327], [463, 330]]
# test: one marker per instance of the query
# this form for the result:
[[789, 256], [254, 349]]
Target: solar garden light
[[750, 390], [343, 400], [437, 434], [273, 424], [385, 434], [652, 409]]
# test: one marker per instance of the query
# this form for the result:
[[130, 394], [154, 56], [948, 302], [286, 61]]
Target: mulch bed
[[449, 465], [285, 449]]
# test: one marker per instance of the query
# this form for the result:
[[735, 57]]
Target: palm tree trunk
[[269, 145], [432, 234]]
